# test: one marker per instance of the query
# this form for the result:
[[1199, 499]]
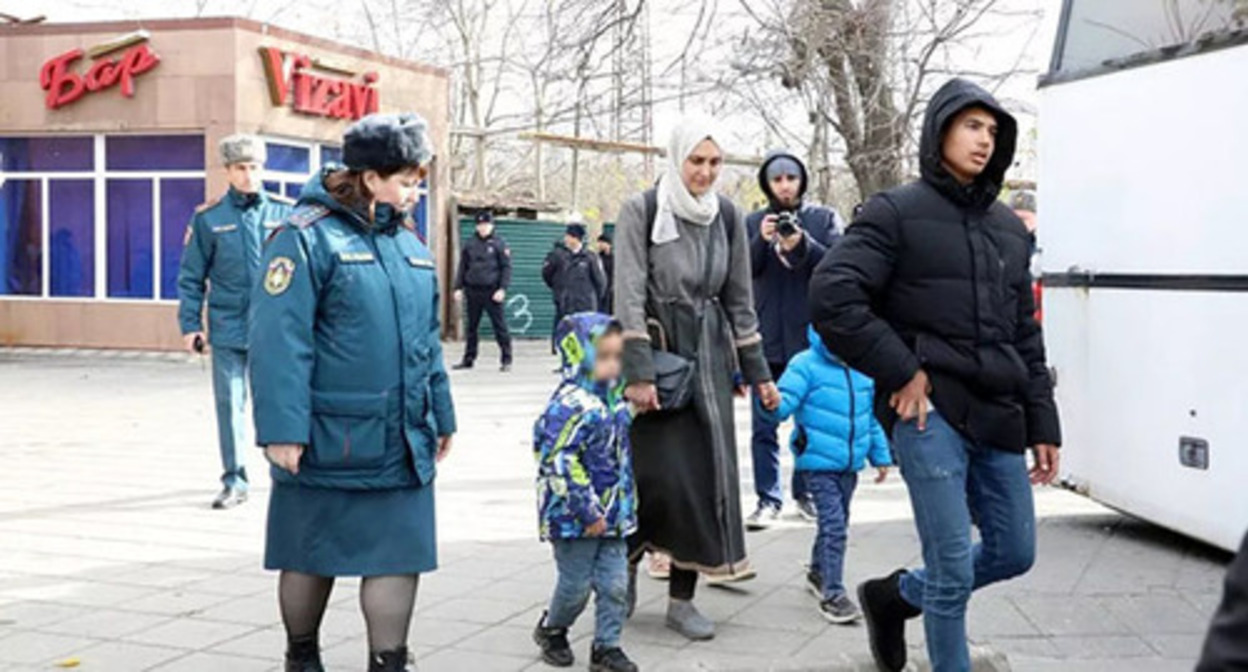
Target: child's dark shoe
[[554, 644], [610, 660]]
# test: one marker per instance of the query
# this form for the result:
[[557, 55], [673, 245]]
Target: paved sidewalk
[[111, 558]]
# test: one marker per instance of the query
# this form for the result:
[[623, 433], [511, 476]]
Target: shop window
[[21, 240], [154, 152], [330, 155], [129, 238], [288, 158], [421, 215], [72, 237], [46, 154], [293, 189], [178, 200]]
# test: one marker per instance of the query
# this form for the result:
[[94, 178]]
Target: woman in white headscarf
[[683, 285]]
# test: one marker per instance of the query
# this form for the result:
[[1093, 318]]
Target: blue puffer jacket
[[832, 404]]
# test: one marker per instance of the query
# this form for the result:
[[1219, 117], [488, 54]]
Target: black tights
[[387, 603], [682, 583]]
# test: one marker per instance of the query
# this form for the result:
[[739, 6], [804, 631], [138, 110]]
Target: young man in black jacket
[[782, 262], [929, 293], [483, 277]]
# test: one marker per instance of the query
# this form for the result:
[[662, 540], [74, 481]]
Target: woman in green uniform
[[352, 402]]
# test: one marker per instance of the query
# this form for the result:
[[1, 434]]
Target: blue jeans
[[831, 491], [954, 483], [600, 565], [765, 451], [229, 386]]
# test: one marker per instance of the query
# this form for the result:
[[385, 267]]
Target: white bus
[[1143, 211]]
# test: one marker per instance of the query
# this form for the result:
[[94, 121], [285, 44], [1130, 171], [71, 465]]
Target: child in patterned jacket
[[587, 499]]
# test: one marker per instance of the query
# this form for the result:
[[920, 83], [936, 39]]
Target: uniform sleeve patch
[[277, 279], [418, 262], [225, 228], [356, 257], [186, 237], [272, 224], [305, 217]]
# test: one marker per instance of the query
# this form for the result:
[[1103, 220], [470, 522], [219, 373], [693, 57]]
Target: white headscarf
[[674, 199]]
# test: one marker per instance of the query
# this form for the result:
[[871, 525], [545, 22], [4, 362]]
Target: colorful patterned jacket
[[584, 463]]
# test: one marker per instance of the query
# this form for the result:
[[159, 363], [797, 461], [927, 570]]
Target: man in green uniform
[[221, 261]]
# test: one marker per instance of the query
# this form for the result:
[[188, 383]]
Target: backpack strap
[[727, 211]]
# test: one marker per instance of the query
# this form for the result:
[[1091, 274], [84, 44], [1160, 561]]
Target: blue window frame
[[288, 158], [46, 154]]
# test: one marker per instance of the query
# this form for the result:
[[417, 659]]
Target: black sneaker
[[840, 610], [814, 583], [554, 644], [610, 660], [886, 613], [462, 366], [763, 518], [806, 510], [505, 367]]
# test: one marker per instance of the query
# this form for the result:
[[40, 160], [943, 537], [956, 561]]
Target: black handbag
[[673, 374]]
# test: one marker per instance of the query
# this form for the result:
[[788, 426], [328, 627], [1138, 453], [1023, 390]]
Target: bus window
[[1097, 33]]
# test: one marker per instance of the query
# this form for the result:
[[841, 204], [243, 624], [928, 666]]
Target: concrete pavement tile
[[1039, 647], [705, 656], [190, 633], [534, 592], [106, 624], [994, 615], [1027, 664], [30, 648], [265, 643], [70, 591], [437, 585], [505, 640], [1204, 603], [475, 610], [799, 616], [779, 642], [214, 662], [1109, 646], [1178, 647], [30, 615], [650, 628], [257, 610], [342, 622], [834, 644], [352, 654], [1069, 615], [159, 576], [439, 632], [176, 602], [125, 656], [1157, 613], [232, 585], [454, 660]]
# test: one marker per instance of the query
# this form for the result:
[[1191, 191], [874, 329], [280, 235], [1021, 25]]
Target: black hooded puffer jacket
[[935, 275]]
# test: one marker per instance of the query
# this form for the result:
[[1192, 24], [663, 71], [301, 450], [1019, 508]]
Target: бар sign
[[293, 81], [66, 85]]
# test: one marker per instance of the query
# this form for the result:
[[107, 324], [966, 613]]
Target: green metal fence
[[530, 308]]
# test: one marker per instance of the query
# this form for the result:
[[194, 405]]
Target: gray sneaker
[[685, 618], [806, 510], [840, 610], [763, 518]]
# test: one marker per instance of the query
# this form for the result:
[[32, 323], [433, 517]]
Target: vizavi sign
[[302, 82], [65, 85]]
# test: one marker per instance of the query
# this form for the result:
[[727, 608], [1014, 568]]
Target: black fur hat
[[381, 141]]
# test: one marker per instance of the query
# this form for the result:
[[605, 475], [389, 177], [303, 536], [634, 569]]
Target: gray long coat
[[686, 461]]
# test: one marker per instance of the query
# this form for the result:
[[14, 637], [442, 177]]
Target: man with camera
[[788, 238]]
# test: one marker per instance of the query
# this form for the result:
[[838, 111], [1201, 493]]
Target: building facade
[[108, 143]]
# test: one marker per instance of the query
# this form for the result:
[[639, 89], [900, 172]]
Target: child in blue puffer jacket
[[836, 435]]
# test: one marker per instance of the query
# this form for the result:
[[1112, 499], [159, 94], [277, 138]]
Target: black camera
[[787, 224]]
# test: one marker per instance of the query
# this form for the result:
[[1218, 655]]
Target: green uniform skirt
[[329, 532]]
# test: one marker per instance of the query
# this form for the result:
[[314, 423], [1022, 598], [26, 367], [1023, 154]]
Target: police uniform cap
[[242, 148]]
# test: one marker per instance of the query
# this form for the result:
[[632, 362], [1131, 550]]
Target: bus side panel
[[1137, 370], [1144, 170]]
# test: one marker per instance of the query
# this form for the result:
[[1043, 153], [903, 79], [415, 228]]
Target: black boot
[[554, 644], [886, 613], [303, 654], [463, 365], [610, 660], [394, 660]]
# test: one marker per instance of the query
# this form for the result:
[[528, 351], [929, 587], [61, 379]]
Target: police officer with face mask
[[221, 261], [483, 278]]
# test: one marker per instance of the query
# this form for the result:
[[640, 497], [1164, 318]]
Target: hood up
[[386, 218], [765, 185], [577, 336], [817, 345], [957, 95]]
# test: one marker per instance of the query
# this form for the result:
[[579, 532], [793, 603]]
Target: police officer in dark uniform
[[221, 259], [483, 278], [353, 403], [575, 275]]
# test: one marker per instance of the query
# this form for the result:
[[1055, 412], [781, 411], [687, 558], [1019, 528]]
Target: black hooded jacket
[[935, 275], [781, 281]]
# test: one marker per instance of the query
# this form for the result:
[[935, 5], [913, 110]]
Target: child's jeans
[[597, 564], [831, 491]]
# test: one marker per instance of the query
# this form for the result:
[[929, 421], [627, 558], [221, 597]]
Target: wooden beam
[[614, 147]]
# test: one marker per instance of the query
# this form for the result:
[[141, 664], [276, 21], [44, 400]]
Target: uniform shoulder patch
[[308, 215], [420, 262], [207, 205], [281, 198], [277, 279]]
